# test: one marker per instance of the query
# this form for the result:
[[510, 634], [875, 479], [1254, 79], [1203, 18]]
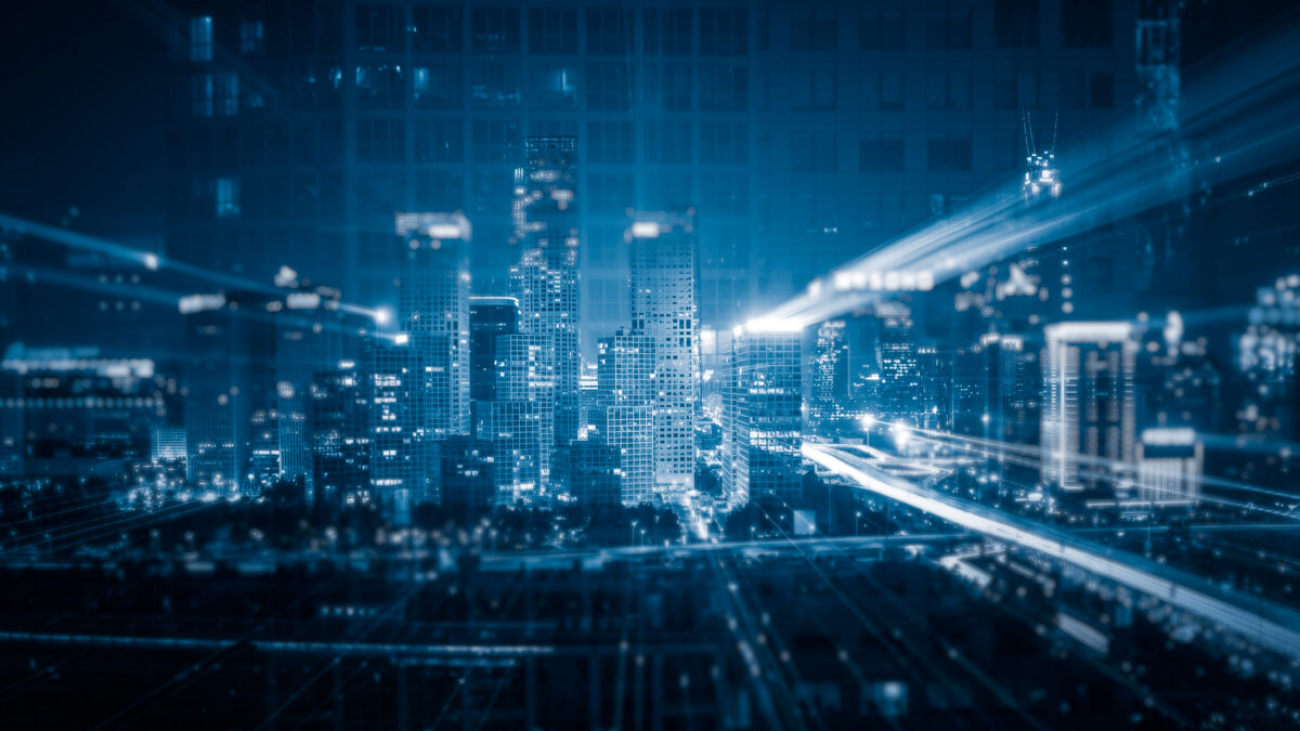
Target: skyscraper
[[404, 453], [1089, 414], [434, 303], [624, 416], [341, 432], [829, 390], [766, 417], [489, 317], [521, 421], [229, 381], [664, 280], [545, 282]]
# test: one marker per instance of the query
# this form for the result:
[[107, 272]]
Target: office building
[[625, 416], [546, 279], [489, 317], [594, 473], [766, 417], [664, 280], [521, 421], [468, 486], [1170, 461], [342, 431], [404, 456], [230, 396], [434, 304], [828, 388], [1088, 412]]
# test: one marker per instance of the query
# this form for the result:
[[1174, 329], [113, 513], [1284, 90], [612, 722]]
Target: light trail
[[151, 261], [1245, 110], [1252, 619]]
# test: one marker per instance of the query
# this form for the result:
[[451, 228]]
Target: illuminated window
[[227, 197], [227, 94], [379, 86], [437, 86], [201, 38], [250, 36]]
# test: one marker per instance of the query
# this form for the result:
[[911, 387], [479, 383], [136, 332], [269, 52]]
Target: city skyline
[[659, 364]]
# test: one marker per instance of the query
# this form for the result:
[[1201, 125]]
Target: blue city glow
[[730, 364]]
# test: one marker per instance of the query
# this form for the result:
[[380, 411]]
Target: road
[[1255, 620]]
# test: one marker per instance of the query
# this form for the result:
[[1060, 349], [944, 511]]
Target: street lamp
[[857, 518], [867, 421], [632, 538]]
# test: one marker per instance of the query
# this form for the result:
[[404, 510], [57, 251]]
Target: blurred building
[[342, 433], [434, 303], [595, 476], [1170, 462], [489, 317], [664, 281], [625, 418], [72, 412], [802, 132], [545, 281], [404, 457], [521, 421], [828, 393], [1089, 413], [765, 418]]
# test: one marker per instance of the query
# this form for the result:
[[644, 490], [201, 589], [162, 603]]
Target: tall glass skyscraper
[[545, 282], [664, 280]]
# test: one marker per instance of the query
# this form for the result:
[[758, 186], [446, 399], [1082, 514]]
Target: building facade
[[664, 279]]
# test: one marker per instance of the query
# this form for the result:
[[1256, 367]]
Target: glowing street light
[[902, 435]]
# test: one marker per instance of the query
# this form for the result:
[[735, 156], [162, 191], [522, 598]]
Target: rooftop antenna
[[1041, 175]]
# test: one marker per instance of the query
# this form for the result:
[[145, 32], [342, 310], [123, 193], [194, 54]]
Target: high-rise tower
[[434, 304], [663, 267], [546, 279]]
